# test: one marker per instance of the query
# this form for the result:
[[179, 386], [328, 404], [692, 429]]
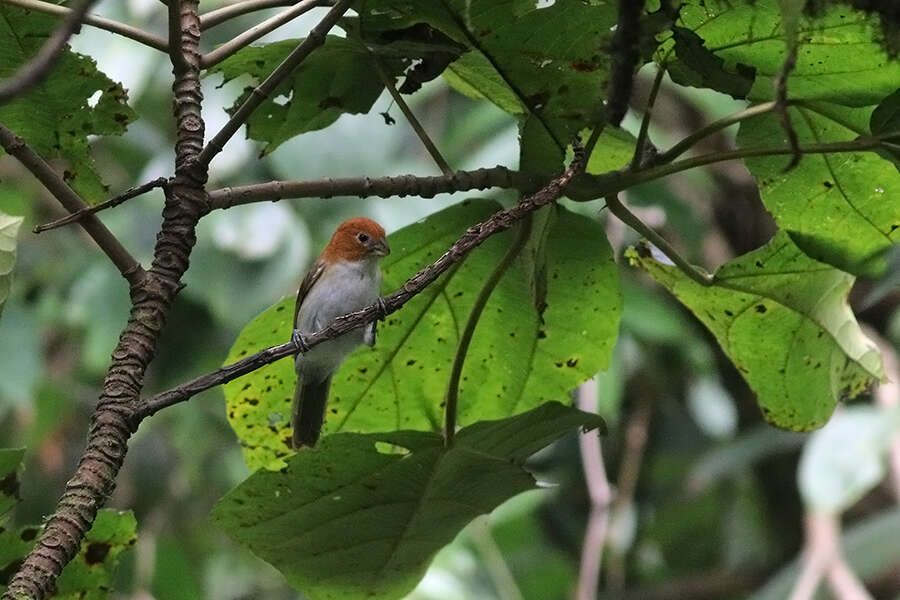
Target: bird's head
[[357, 239]]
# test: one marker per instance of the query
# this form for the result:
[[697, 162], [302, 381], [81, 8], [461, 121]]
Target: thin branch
[[472, 238], [699, 275], [600, 494], [114, 201], [220, 15], [388, 82], [638, 158], [502, 578], [257, 31], [781, 105], [381, 187], [314, 39], [133, 33], [451, 399], [130, 269], [36, 70], [625, 56]]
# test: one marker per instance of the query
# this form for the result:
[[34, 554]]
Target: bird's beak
[[381, 248]]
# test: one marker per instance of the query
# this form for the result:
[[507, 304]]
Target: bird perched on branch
[[344, 279]]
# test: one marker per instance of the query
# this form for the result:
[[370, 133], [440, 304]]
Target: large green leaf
[[344, 520], [839, 57], [10, 474], [515, 361], [839, 208], [9, 228], [88, 576], [783, 320], [74, 101], [340, 77]]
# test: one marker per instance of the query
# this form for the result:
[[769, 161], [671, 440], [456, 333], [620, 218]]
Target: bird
[[345, 278]]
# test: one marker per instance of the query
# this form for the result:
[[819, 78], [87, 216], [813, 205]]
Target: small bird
[[345, 278]]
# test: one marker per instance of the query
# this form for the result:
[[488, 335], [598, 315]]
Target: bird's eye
[[362, 237]]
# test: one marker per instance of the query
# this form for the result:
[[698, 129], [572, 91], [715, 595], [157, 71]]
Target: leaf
[[9, 229], [88, 576], [783, 320], [74, 101], [837, 207], [885, 118], [693, 64], [343, 520], [748, 35], [339, 77], [514, 362], [10, 479]]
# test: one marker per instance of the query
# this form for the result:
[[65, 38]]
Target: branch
[[114, 201], [130, 269], [472, 238], [138, 35], [388, 82], [638, 158], [781, 105], [625, 56], [381, 187], [257, 31], [220, 15], [451, 399], [315, 39], [36, 70]]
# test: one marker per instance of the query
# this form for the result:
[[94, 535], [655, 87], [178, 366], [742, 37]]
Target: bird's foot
[[299, 341], [382, 309]]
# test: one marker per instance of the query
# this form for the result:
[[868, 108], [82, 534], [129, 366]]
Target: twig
[[36, 70], [451, 398], [600, 495], [822, 557], [638, 158], [314, 39], [220, 15], [502, 578], [781, 105], [474, 236], [699, 275], [388, 82], [138, 35], [381, 187], [246, 38], [114, 201], [130, 269]]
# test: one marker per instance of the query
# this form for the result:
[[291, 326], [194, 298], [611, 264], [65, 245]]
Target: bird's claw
[[382, 309], [299, 341]]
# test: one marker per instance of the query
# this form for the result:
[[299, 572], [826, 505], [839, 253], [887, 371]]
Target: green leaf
[[837, 207], [748, 35], [514, 363], [10, 479], [9, 229], [74, 101], [885, 118], [783, 320], [339, 77], [89, 575], [343, 520]]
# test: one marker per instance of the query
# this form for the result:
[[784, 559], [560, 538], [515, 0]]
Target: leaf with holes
[[838, 57], [343, 520], [74, 101], [339, 77], [88, 576], [514, 362], [839, 208], [783, 320]]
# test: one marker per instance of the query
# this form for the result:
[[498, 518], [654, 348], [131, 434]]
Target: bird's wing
[[312, 276]]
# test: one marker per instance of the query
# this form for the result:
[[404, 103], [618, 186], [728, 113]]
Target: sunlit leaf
[[344, 520], [9, 229], [783, 320]]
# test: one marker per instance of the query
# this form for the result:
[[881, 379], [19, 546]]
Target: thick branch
[[36, 70], [120, 257], [257, 31], [474, 236], [138, 35], [315, 39], [381, 187]]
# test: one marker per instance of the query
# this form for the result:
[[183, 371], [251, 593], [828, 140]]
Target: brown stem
[[313, 40], [71, 201], [474, 236], [114, 201], [111, 424], [36, 70]]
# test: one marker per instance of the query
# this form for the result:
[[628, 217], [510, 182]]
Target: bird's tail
[[308, 411]]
